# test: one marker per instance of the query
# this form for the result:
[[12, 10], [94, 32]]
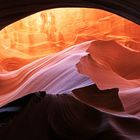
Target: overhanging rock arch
[[12, 11]]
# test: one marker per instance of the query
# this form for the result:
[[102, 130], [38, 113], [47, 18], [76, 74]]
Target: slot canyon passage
[[89, 55]]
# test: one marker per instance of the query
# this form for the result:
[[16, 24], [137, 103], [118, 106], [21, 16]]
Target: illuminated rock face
[[38, 44], [112, 65], [55, 74], [53, 30]]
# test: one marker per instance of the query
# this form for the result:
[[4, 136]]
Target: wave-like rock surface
[[113, 65], [55, 74]]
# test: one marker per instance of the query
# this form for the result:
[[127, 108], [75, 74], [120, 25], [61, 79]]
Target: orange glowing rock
[[34, 54], [53, 30]]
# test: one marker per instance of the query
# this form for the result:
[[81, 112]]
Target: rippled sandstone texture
[[113, 60], [51, 31]]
